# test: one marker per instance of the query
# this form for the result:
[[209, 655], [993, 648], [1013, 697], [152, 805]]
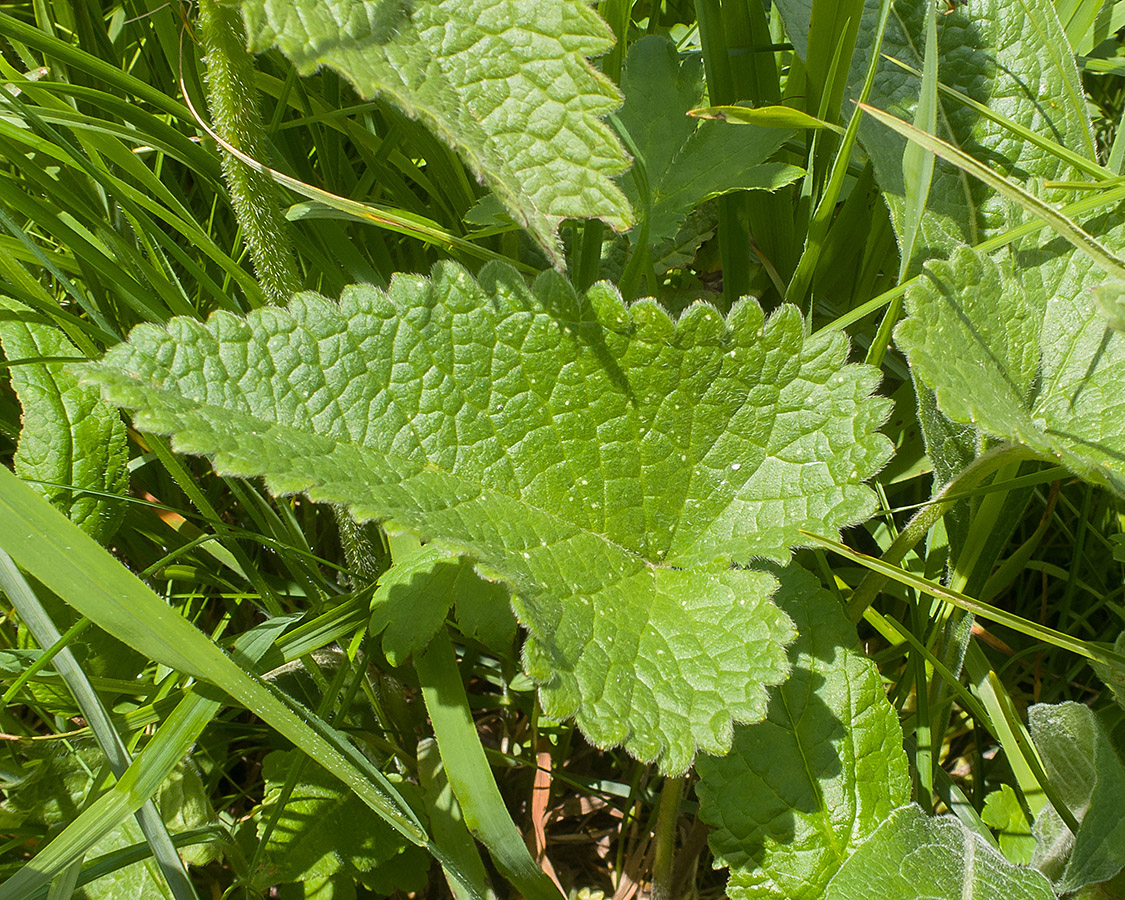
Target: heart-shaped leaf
[[606, 463]]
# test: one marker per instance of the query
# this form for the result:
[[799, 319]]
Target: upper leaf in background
[[1089, 776], [801, 790], [605, 462], [69, 436], [687, 160], [1023, 360], [915, 857], [1012, 57], [506, 83]]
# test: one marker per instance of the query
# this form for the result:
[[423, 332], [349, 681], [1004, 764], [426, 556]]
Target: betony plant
[[535, 494]]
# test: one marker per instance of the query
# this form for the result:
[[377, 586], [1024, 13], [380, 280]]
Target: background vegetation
[[129, 195]]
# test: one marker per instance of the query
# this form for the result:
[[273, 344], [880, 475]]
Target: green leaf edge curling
[[506, 83]]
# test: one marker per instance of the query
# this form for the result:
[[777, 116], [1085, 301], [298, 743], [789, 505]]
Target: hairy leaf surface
[[1089, 775], [605, 462], [506, 83], [69, 436], [801, 790], [688, 160], [1025, 359], [915, 857]]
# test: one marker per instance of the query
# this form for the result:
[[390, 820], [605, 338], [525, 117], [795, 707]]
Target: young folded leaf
[[506, 83], [606, 463], [1088, 772]]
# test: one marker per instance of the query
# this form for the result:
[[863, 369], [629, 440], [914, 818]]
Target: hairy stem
[[232, 101], [663, 856]]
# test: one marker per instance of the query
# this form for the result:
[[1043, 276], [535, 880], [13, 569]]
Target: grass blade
[[1083, 648], [82, 573], [1058, 222], [1066, 155], [917, 161], [765, 116], [46, 634], [469, 773]]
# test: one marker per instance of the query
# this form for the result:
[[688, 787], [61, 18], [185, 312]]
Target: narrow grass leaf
[[1083, 648], [469, 772], [1018, 130], [1058, 222], [39, 623], [765, 117], [141, 780], [82, 573], [917, 161]]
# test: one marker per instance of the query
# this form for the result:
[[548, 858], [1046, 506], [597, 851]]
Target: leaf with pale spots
[[615, 469]]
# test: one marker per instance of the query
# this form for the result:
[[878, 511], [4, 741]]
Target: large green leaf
[[688, 160], [607, 463], [1024, 358], [915, 857], [801, 790], [1089, 776], [504, 82], [70, 439]]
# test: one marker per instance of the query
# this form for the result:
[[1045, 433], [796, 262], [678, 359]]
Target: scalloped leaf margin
[[614, 468]]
